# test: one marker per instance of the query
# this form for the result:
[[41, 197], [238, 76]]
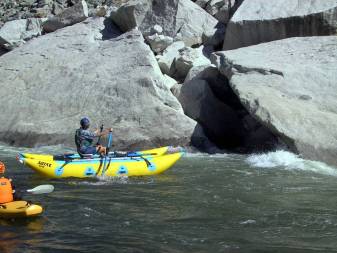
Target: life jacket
[[6, 191], [81, 140], [78, 139]]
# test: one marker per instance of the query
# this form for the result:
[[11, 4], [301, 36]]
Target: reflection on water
[[8, 242], [274, 202], [17, 234]]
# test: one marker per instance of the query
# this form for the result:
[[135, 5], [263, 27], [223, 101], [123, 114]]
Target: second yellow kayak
[[20, 209]]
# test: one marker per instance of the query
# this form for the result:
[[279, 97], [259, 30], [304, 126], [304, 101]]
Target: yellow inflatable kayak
[[141, 163], [19, 209]]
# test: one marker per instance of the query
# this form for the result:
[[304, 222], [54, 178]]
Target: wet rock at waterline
[[51, 82], [290, 87], [259, 21], [180, 19]]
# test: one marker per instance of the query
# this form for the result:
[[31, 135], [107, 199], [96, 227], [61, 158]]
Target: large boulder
[[206, 72], [48, 84], [159, 42], [188, 58], [243, 132], [69, 16], [290, 87], [17, 32], [180, 19], [166, 59], [259, 21]]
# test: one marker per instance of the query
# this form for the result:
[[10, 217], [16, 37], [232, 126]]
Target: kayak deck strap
[[70, 157]]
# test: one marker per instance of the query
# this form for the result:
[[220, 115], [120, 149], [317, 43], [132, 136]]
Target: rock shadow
[[253, 32], [235, 7], [110, 30], [227, 124], [3, 51]]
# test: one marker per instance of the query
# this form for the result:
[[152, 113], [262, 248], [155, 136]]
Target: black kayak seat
[[70, 157]]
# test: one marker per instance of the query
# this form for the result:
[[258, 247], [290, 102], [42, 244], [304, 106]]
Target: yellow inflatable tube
[[19, 209], [144, 163]]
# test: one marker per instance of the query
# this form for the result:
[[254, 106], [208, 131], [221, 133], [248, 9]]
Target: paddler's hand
[[108, 130]]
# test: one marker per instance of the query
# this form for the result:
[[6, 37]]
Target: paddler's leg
[[89, 150]]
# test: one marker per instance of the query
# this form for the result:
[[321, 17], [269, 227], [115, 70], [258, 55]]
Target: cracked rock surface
[[89, 69], [180, 19], [290, 89]]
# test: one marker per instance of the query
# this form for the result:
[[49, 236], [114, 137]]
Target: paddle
[[41, 189], [107, 152], [99, 138]]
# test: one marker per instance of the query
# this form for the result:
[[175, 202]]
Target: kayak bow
[[19, 209]]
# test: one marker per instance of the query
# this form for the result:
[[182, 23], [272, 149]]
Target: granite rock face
[[24, 9], [220, 9], [180, 19], [89, 69], [290, 87], [259, 21], [70, 16], [17, 32], [207, 97], [166, 59], [159, 42], [188, 57]]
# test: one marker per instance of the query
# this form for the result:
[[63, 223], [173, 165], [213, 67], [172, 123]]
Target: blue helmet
[[85, 122]]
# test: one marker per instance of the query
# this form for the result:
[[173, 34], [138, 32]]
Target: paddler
[[84, 139], [7, 190]]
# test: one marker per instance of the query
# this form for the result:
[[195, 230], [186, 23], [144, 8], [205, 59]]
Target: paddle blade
[[41, 189]]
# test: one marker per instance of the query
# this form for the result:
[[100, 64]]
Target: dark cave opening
[[232, 129]]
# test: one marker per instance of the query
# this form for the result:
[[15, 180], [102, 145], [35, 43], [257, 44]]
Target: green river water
[[273, 202]]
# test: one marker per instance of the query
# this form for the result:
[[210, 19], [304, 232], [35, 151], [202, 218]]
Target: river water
[[273, 202]]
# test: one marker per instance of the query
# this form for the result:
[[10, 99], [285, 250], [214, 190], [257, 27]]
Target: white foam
[[246, 222], [113, 180], [290, 161], [202, 155], [103, 180]]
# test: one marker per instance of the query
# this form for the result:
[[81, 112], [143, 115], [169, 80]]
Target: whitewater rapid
[[289, 161], [279, 159]]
